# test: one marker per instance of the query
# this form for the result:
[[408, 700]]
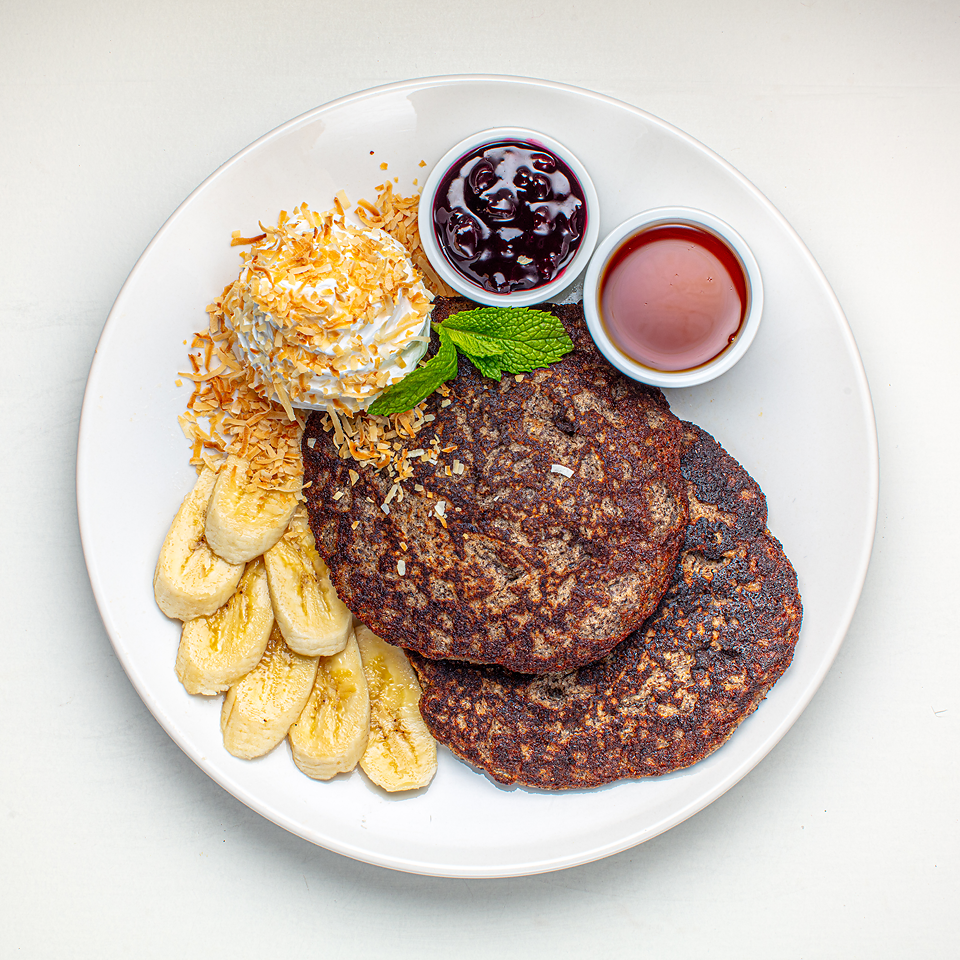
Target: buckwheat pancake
[[667, 696], [562, 511]]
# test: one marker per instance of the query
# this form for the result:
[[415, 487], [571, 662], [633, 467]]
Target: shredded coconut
[[397, 216], [226, 414], [328, 314]]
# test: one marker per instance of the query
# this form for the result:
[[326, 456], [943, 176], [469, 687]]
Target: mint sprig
[[420, 383], [524, 338], [496, 340]]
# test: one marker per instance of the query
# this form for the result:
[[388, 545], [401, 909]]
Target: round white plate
[[795, 411]]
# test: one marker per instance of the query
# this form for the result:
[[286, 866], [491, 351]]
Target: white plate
[[795, 411]]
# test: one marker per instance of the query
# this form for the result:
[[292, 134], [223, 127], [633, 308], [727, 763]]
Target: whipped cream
[[327, 315]]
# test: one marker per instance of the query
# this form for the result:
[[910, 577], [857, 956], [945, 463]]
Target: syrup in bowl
[[673, 297]]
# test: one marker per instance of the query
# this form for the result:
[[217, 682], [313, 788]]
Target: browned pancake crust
[[534, 571], [667, 696]]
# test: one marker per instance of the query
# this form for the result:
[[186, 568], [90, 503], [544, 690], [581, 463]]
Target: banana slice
[[190, 580], [243, 521], [312, 618], [258, 710], [401, 754], [216, 651], [331, 734]]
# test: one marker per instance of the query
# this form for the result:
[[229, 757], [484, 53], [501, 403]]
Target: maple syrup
[[673, 297]]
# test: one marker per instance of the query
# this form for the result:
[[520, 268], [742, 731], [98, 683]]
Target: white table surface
[[843, 842]]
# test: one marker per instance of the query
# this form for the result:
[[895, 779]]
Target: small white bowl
[[664, 216], [463, 284]]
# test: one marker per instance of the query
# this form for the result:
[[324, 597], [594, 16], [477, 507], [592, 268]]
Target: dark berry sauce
[[510, 216]]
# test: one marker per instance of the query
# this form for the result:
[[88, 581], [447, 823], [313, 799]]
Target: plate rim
[[624, 842]]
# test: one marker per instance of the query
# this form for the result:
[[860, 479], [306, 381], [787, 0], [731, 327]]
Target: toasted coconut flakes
[[355, 524], [398, 216], [561, 469], [311, 442], [367, 271], [403, 546], [237, 419], [385, 508], [237, 241], [377, 441], [226, 413]]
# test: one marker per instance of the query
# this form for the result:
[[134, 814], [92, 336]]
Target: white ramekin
[[663, 216], [464, 285]]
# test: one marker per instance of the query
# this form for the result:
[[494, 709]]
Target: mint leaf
[[420, 383], [474, 344], [488, 366], [493, 339], [527, 338], [485, 353]]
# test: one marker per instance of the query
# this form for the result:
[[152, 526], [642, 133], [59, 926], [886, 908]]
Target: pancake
[[527, 568], [671, 693]]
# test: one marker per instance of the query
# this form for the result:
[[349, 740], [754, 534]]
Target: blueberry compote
[[510, 216]]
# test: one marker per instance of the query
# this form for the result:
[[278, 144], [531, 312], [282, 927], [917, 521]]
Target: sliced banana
[[190, 579], [401, 754], [259, 709], [218, 650], [312, 618], [243, 521], [331, 733]]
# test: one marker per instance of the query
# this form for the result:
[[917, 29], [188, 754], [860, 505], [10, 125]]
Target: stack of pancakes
[[596, 598]]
